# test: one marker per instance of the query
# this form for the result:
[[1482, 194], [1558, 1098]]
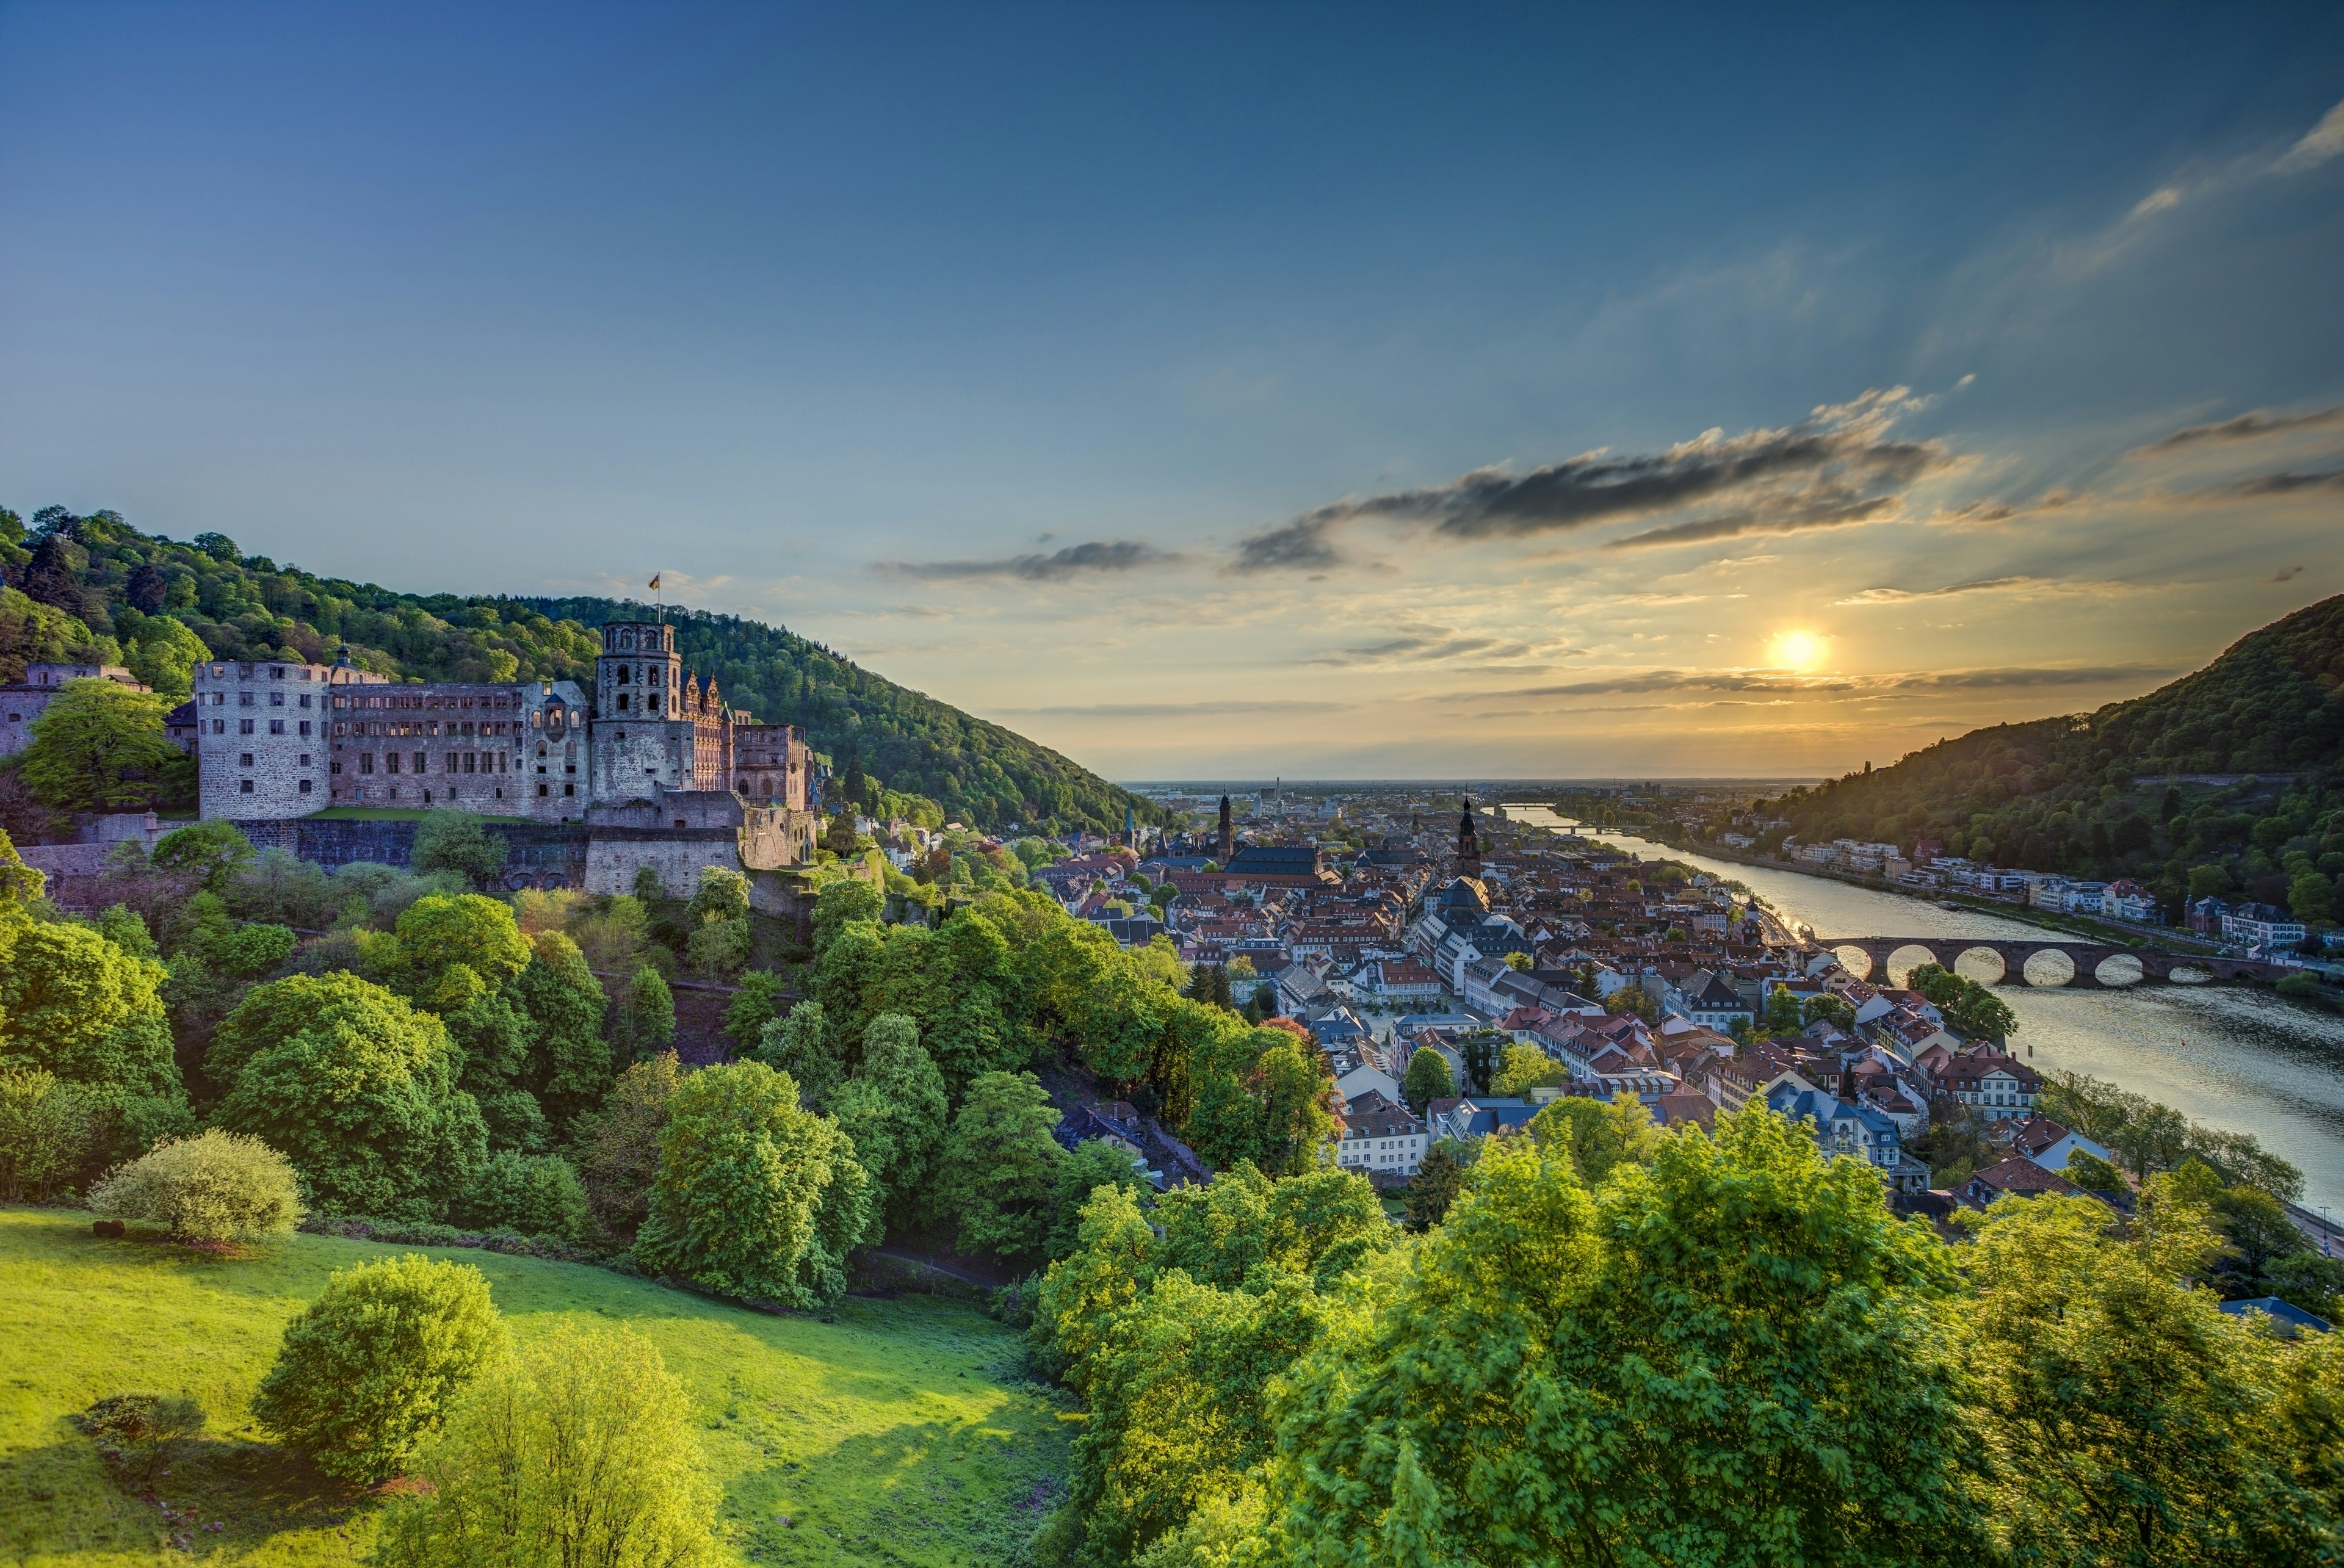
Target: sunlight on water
[[2232, 1056]]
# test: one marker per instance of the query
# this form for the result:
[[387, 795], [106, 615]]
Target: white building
[[1380, 1138]]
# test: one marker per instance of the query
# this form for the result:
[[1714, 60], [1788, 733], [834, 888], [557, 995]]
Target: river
[[2232, 1056]]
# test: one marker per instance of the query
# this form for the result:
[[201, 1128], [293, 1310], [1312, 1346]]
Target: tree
[[214, 1187], [758, 1003], [1969, 1008], [2311, 898], [1732, 1354], [618, 1150], [73, 1004], [1478, 1051], [100, 746], [1836, 1009], [645, 1024], [456, 841], [373, 1365], [1094, 1163], [569, 1065], [44, 1134], [798, 1044], [1439, 1182], [164, 654], [2125, 1415], [1428, 1078], [1522, 1068], [721, 894], [535, 1194], [1782, 1014], [894, 1109], [355, 1088], [207, 852], [1599, 1137], [755, 1196], [454, 949], [1000, 1171], [577, 1450]]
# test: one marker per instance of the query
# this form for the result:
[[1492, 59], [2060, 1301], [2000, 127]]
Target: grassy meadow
[[901, 1433]]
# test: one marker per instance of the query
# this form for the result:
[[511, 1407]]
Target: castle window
[[390, 761], [276, 726], [244, 726], [276, 699], [303, 786], [543, 790], [244, 759], [244, 787]]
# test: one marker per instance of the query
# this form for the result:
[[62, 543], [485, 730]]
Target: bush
[[644, 1024], [216, 1187], [373, 1365], [136, 1430], [619, 1152], [43, 1130], [577, 1450], [535, 1194]]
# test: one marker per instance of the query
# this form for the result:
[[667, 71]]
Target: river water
[[2231, 1056]]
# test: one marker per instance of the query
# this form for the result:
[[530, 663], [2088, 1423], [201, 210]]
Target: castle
[[654, 760]]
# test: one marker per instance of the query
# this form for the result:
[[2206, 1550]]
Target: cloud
[[1176, 710], [2321, 142], [1839, 466], [1120, 555], [1907, 595], [1424, 649], [1985, 680], [2268, 484], [2288, 573], [1786, 683], [2253, 425]]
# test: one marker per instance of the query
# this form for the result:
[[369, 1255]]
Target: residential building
[[1994, 1086], [1380, 1138]]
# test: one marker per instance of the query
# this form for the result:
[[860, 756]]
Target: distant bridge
[[1996, 960]]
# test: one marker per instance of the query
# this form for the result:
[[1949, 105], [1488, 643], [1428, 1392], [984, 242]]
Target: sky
[[1331, 391]]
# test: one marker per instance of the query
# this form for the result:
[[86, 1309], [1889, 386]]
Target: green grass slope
[[900, 1434]]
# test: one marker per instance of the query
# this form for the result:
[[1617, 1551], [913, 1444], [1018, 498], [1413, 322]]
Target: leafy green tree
[[356, 1088], [1522, 1068], [373, 1365], [843, 902], [755, 1196], [453, 949], [164, 656], [207, 852], [1092, 1164], [569, 1065], [2092, 1174], [1600, 1136], [758, 1003], [458, 841], [100, 746], [1732, 1355], [1782, 1014], [535, 1194], [721, 894], [578, 1450], [1000, 1172], [44, 1134], [2311, 898], [214, 1187], [644, 1024], [2125, 1415], [1439, 1182], [894, 1109], [618, 1154], [1970, 1010], [798, 1044], [1831, 1007], [1428, 1078], [73, 1004], [1261, 1096]]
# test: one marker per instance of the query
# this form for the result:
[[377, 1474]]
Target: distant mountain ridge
[[94, 587], [2090, 793]]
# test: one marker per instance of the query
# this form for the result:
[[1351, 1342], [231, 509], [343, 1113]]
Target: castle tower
[[1228, 839], [1468, 847], [643, 732]]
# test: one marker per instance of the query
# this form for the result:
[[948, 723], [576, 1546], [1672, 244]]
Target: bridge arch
[[1984, 964], [1901, 963]]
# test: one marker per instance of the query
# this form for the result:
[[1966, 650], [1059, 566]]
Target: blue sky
[[1341, 391]]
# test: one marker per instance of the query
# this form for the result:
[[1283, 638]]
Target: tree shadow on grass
[[204, 1492]]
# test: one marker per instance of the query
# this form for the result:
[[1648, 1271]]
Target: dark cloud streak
[[1120, 555]]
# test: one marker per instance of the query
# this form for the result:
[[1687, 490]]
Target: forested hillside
[[2222, 782], [96, 587]]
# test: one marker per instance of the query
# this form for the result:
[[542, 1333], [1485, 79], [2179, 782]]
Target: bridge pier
[[2087, 958]]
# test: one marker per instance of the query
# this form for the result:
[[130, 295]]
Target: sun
[[1798, 650]]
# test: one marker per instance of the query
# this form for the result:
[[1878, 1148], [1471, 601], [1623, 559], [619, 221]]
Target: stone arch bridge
[[2044, 963]]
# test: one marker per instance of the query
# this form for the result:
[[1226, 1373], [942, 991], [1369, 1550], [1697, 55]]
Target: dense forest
[[2224, 782], [96, 587]]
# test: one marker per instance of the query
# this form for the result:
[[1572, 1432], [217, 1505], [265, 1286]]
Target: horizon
[[1520, 396]]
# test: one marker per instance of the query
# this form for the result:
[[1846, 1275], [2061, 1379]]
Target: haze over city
[[1501, 394]]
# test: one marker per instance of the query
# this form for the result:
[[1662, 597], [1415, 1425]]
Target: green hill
[[2223, 779], [94, 584], [899, 1434]]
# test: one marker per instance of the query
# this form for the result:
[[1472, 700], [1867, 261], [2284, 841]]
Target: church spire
[[1468, 847]]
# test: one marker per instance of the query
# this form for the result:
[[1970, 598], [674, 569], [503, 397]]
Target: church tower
[[1468, 847], [1228, 839]]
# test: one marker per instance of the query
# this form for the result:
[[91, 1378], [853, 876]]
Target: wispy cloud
[[1177, 710], [1074, 559], [2260, 486], [2321, 142], [2253, 425], [1425, 649], [1838, 466], [2287, 574]]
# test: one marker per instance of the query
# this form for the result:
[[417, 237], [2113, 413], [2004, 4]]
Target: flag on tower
[[654, 581]]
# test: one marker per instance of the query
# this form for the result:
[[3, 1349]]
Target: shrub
[[576, 1449], [535, 1194], [216, 1187], [644, 1024], [43, 1130], [373, 1365], [136, 1430], [618, 1153]]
